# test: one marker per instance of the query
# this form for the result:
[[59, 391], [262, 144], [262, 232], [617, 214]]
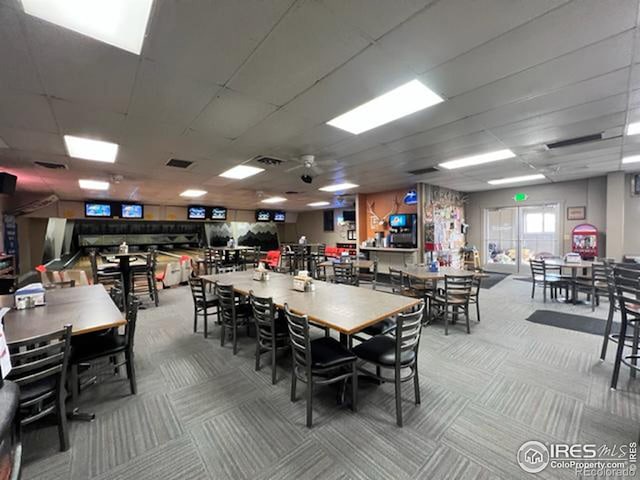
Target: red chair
[[272, 259]]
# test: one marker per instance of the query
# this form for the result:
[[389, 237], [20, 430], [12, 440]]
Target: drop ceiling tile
[[31, 140], [167, 95], [231, 114], [83, 121], [80, 69], [20, 109], [19, 71], [304, 47], [219, 35], [452, 27], [3, 144]]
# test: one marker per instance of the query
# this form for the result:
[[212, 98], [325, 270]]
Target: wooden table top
[[357, 263], [563, 264], [87, 308], [119, 255], [423, 273], [231, 249], [343, 308]]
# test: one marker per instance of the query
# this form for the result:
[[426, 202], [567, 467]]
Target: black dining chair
[[345, 274], [39, 368], [143, 277], [106, 274], [271, 331], [108, 345], [454, 299], [234, 313], [398, 353], [595, 286], [203, 301], [547, 277], [370, 275], [321, 361]]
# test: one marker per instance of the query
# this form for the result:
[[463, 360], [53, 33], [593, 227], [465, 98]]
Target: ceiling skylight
[[631, 159], [241, 171], [274, 200], [318, 204], [478, 159], [338, 187], [93, 185], [88, 149], [524, 178], [192, 193], [399, 102], [121, 23]]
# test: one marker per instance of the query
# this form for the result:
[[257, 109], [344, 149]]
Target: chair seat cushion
[[29, 391], [96, 346], [453, 300], [381, 328], [382, 349], [328, 352], [211, 300]]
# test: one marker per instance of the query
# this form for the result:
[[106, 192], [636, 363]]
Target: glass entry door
[[513, 235]]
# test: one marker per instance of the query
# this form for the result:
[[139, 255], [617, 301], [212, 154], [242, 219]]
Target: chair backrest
[[298, 326], [537, 267], [227, 302], [197, 289], [322, 250], [408, 329], [458, 286], [344, 273], [264, 314], [475, 286], [598, 273], [40, 358], [132, 319], [627, 290], [93, 259], [396, 279]]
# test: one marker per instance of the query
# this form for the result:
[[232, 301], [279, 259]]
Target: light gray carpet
[[202, 413]]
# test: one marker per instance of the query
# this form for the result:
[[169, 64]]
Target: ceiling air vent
[[51, 165], [267, 160], [423, 171], [291, 192], [575, 141], [174, 162]]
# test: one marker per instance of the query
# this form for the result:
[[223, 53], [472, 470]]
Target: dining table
[[344, 308], [574, 267]]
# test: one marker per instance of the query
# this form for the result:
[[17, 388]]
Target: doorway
[[514, 235]]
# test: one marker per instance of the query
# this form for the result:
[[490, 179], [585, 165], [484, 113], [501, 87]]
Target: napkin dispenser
[[572, 258], [302, 282], [29, 296]]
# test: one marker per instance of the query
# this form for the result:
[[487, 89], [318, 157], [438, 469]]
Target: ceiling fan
[[309, 163]]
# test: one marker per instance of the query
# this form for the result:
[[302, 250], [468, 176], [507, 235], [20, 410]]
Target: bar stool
[[627, 286]]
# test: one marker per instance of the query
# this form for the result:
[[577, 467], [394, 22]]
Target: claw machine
[[585, 241]]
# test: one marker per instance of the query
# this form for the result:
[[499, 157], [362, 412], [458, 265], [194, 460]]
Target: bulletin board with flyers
[[444, 219]]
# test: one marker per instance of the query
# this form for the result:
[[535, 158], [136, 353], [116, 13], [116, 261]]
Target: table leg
[[574, 292], [125, 269]]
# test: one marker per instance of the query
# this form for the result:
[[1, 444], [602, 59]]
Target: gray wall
[[311, 224], [591, 193]]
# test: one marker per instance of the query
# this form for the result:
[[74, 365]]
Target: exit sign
[[520, 197]]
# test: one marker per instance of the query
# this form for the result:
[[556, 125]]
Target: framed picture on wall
[[351, 234], [576, 213]]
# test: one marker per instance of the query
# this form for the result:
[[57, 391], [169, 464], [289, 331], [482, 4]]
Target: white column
[[616, 191]]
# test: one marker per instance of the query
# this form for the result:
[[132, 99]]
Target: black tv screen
[[349, 215], [131, 210], [197, 213], [97, 210], [218, 213], [279, 216], [263, 216]]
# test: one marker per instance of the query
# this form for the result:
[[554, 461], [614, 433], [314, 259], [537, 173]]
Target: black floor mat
[[493, 279], [568, 321]]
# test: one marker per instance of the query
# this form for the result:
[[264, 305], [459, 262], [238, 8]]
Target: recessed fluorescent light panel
[[338, 187], [241, 171], [193, 193], [121, 23], [274, 200], [399, 102], [318, 204], [631, 159], [478, 159], [633, 128], [525, 178], [88, 149], [93, 185]]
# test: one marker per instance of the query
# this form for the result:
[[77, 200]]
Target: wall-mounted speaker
[[7, 183]]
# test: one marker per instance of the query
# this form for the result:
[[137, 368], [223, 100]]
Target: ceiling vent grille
[[423, 171], [176, 163], [271, 161], [575, 141], [51, 165]]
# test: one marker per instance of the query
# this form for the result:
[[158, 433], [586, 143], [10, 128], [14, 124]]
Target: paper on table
[[5, 361]]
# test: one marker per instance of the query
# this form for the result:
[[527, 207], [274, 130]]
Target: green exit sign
[[520, 197]]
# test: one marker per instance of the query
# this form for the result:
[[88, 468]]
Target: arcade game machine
[[584, 241]]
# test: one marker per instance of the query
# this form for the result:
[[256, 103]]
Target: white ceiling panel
[[450, 28], [26, 110], [81, 121], [167, 95], [230, 114], [307, 44], [18, 69], [80, 69], [31, 140], [217, 34]]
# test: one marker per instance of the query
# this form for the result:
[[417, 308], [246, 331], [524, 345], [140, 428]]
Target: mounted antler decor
[[376, 217]]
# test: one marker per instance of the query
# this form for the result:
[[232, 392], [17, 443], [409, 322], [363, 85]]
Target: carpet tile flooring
[[203, 413]]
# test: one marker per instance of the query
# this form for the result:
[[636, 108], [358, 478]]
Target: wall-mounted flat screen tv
[[349, 215], [218, 213], [195, 212], [263, 216], [97, 210], [279, 216], [398, 221], [131, 210]]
